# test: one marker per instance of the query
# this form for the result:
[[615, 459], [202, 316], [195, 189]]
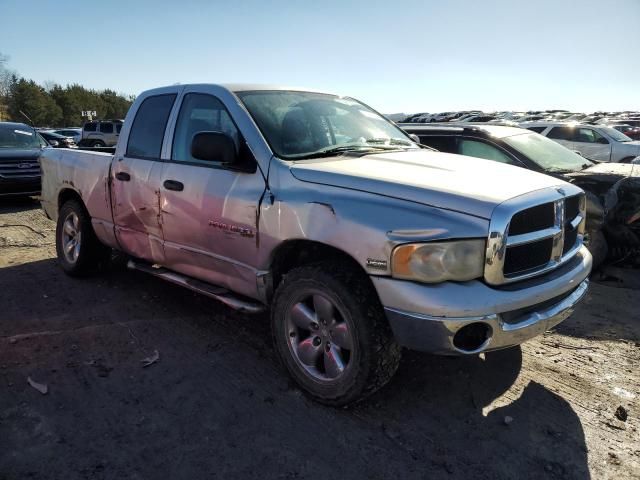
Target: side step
[[219, 293]]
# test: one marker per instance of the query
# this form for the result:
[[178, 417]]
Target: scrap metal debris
[[41, 387], [151, 360]]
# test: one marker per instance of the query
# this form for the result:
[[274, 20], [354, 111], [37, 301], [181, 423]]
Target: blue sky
[[396, 56]]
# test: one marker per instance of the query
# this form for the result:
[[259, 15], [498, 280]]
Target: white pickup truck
[[314, 206]]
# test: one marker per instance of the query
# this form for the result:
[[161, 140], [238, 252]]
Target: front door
[[591, 144], [136, 181], [209, 211]]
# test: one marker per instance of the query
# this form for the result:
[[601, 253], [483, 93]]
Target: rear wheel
[[331, 333], [78, 249], [99, 143]]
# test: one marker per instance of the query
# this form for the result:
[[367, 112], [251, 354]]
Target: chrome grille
[[19, 168], [534, 234]]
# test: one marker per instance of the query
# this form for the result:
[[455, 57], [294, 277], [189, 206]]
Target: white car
[[595, 142]]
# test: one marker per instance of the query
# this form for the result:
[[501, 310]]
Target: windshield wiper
[[390, 141], [345, 149]]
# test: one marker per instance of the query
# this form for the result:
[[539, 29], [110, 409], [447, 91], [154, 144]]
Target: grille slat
[[528, 257], [9, 168], [572, 207], [532, 219], [524, 259]]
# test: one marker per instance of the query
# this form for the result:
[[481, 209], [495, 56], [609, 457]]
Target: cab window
[[200, 113], [474, 148]]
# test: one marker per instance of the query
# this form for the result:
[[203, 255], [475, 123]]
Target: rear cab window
[[149, 124]]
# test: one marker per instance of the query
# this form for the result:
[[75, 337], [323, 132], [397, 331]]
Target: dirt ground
[[216, 404]]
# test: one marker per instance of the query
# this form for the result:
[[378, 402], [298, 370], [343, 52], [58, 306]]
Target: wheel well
[[627, 159], [295, 253], [66, 195]]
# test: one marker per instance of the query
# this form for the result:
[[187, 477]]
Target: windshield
[[300, 125], [18, 137], [549, 155], [615, 134]]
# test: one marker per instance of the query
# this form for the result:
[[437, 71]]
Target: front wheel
[[331, 333], [79, 251]]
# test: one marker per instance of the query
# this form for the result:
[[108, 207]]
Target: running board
[[213, 291]]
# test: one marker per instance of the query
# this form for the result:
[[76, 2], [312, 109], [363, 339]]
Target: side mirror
[[603, 141], [54, 143], [213, 147], [414, 137]]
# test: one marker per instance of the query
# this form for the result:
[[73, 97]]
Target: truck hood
[[443, 180]]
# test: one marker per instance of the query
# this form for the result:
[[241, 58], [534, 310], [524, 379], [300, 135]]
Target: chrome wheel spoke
[[303, 316], [319, 336], [70, 237], [308, 353], [68, 228], [341, 336], [70, 245], [323, 308], [333, 362]]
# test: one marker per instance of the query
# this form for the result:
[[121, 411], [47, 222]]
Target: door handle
[[173, 185], [123, 176]]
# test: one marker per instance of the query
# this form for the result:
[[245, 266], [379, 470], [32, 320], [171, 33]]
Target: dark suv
[[20, 147], [613, 231]]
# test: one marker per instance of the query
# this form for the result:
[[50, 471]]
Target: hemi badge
[[377, 264]]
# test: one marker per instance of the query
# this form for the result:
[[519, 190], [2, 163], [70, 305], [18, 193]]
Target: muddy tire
[[78, 249], [331, 334]]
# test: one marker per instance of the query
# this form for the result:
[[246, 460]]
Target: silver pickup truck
[[314, 206]]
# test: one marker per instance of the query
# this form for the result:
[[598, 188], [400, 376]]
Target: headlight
[[435, 262]]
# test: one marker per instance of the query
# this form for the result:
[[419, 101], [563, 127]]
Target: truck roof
[[242, 87]]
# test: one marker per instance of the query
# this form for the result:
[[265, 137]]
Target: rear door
[[209, 211], [563, 135], [108, 133], [136, 180]]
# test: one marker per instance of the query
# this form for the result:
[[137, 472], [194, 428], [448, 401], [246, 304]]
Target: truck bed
[[86, 173]]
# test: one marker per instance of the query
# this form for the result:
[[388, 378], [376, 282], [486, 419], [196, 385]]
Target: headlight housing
[[435, 262]]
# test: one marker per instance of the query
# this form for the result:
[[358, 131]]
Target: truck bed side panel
[[87, 174]]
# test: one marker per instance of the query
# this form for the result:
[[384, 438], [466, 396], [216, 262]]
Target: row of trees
[[54, 105]]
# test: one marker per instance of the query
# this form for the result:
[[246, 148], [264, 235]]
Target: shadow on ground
[[217, 405], [18, 204]]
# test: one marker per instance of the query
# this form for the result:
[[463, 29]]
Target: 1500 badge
[[242, 231]]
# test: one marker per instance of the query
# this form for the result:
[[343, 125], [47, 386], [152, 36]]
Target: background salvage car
[[20, 148], [596, 142], [613, 190]]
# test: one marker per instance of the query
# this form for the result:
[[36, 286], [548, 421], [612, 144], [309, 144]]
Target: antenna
[[27, 117]]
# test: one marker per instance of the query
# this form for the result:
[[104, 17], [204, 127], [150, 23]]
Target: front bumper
[[19, 186], [428, 317]]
